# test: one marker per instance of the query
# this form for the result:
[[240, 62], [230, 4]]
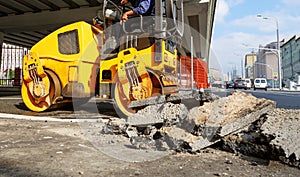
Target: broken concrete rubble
[[274, 136], [228, 109], [115, 126], [150, 123], [168, 114], [224, 116], [241, 123], [181, 95], [284, 126]]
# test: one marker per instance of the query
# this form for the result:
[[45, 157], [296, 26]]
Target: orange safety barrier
[[200, 72]]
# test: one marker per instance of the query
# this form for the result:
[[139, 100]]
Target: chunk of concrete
[[239, 124], [284, 125], [227, 115], [167, 114]]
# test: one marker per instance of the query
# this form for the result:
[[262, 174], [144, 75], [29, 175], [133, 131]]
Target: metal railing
[[11, 65]]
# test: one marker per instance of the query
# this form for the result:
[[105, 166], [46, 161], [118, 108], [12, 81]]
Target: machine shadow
[[103, 107]]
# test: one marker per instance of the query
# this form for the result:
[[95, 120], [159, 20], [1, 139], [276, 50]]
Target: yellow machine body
[[135, 75], [72, 63], [62, 66]]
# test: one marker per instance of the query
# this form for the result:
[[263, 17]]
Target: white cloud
[[223, 7], [249, 21], [288, 24], [221, 11], [291, 2], [288, 16], [234, 2], [228, 50]]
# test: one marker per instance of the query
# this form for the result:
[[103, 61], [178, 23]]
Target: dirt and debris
[[199, 127], [240, 123], [24, 152]]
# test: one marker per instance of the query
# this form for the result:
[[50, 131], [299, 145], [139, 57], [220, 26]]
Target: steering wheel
[[125, 8], [120, 8]]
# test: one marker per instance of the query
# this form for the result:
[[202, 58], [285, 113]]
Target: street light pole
[[278, 48], [279, 57], [253, 66]]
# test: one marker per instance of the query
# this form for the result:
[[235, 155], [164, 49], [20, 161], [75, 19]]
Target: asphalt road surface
[[104, 108], [284, 99]]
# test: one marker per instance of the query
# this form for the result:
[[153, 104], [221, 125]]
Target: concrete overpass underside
[[25, 22]]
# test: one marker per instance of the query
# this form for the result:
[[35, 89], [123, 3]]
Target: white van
[[248, 84], [260, 83]]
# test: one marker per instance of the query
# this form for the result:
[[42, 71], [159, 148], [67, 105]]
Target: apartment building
[[250, 59], [290, 50], [267, 61]]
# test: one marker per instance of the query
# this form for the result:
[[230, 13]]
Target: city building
[[227, 76], [250, 59], [215, 74], [290, 50], [266, 65]]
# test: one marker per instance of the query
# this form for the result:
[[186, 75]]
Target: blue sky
[[236, 24]]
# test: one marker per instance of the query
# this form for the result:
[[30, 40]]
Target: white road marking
[[42, 118], [10, 98]]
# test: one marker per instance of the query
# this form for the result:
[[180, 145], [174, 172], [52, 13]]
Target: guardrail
[[11, 65]]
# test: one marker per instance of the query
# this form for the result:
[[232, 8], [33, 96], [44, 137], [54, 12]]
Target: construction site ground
[[82, 147], [39, 148]]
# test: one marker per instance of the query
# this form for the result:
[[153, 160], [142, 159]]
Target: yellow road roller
[[129, 61]]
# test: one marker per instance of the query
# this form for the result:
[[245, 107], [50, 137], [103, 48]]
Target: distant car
[[239, 84], [229, 84], [260, 83], [248, 84], [218, 84]]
